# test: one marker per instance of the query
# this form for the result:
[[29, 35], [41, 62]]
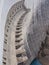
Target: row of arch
[[12, 12]]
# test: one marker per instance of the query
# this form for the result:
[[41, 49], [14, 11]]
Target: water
[[36, 62]]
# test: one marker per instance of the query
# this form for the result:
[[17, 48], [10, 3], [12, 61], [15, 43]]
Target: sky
[[4, 8], [1, 42]]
